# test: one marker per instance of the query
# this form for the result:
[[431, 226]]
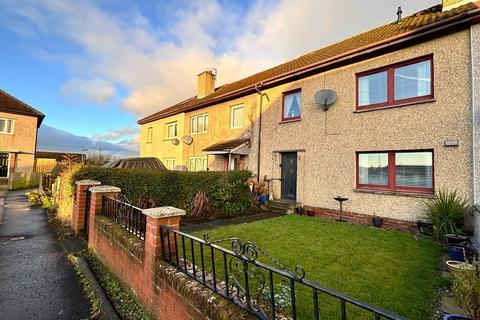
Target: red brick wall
[[163, 291], [360, 218]]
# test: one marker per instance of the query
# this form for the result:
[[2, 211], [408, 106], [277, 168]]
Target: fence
[[47, 183], [120, 210], [264, 291]]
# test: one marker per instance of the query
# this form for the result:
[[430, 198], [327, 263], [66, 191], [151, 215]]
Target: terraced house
[[404, 122]]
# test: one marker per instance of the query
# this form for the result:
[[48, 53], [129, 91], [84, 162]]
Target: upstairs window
[[6, 126], [149, 135], [292, 104], [199, 124], [400, 83], [396, 170], [171, 129], [236, 117]]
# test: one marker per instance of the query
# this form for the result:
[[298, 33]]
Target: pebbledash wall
[[164, 292], [327, 142]]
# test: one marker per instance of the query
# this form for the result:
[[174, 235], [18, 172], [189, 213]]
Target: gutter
[[472, 17]]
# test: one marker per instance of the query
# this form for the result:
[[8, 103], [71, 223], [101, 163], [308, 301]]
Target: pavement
[[196, 225], [36, 280]]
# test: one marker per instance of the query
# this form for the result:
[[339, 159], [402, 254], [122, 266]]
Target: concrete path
[[36, 280], [192, 226]]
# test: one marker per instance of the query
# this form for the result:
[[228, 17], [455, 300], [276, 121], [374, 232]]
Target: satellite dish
[[175, 141], [325, 98], [187, 140]]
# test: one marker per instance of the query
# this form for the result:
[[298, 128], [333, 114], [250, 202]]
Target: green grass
[[388, 269]]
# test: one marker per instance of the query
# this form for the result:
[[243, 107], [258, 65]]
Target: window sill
[[396, 193], [198, 134], [395, 105], [290, 120], [170, 139]]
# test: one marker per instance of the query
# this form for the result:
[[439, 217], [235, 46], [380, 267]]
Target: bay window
[[404, 82], [410, 171]]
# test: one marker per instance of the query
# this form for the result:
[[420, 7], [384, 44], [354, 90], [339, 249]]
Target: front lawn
[[388, 269]]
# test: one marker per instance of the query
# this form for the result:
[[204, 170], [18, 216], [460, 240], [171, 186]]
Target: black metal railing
[[264, 291], [47, 183], [123, 212]]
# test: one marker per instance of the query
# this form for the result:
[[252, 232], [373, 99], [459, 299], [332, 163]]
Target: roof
[[227, 146], [416, 22], [59, 156], [10, 104], [136, 163]]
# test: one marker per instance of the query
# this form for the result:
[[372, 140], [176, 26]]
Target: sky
[[95, 67]]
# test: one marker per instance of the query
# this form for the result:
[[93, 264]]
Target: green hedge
[[226, 190]]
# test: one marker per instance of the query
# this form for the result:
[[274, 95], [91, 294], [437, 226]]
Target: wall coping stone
[[104, 189], [88, 182], [163, 212]]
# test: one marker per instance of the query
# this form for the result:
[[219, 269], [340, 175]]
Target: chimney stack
[[452, 4], [206, 83]]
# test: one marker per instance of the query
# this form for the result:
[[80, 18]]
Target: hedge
[[226, 190]]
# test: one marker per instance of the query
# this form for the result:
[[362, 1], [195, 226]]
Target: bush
[[466, 290], [446, 212], [226, 190]]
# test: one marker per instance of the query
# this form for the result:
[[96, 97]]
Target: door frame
[[282, 154]]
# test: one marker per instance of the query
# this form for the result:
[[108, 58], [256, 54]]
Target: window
[[6, 126], [199, 124], [236, 117], [198, 164], [292, 101], [396, 170], [400, 83], [149, 135], [170, 163], [171, 130]]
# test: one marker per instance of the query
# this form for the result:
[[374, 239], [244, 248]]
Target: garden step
[[283, 206]]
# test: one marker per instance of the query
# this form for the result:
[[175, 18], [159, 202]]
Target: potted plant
[[466, 291], [377, 221], [446, 212], [425, 227]]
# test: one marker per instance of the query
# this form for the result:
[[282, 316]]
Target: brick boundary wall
[[164, 292], [364, 219]]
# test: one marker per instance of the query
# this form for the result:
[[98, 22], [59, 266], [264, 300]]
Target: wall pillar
[[156, 217], [96, 197], [79, 204]]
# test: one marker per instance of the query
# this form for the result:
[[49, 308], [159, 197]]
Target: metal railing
[[264, 291], [123, 212]]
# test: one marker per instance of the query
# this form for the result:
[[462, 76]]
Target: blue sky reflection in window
[[291, 105]]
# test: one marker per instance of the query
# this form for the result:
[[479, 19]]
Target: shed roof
[[137, 163]]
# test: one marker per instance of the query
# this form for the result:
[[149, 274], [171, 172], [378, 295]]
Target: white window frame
[[12, 125], [205, 121], [149, 134], [171, 160], [167, 128], [232, 109], [205, 163]]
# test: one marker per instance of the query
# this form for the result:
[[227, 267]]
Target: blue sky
[[95, 67]]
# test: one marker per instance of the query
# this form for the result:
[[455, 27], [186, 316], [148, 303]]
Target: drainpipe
[[261, 94], [475, 130]]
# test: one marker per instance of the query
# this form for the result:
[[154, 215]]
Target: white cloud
[[91, 90], [158, 67]]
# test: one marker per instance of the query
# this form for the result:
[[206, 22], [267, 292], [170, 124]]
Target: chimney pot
[[206, 83]]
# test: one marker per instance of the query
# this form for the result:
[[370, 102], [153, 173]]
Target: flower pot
[[458, 266], [457, 253], [262, 199], [377, 222], [425, 228], [455, 317], [456, 239], [299, 210]]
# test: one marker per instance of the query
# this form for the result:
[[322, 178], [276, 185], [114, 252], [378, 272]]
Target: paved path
[[36, 281], [192, 226]]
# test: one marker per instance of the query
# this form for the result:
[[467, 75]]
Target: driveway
[[36, 280]]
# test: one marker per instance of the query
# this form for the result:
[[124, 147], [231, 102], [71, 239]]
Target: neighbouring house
[[19, 125], [404, 122], [46, 161]]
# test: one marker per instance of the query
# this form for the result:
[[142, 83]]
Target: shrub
[[446, 211], [466, 290], [226, 190]]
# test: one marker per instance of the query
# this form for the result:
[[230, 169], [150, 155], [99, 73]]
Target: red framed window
[[404, 82], [409, 171], [292, 105]]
